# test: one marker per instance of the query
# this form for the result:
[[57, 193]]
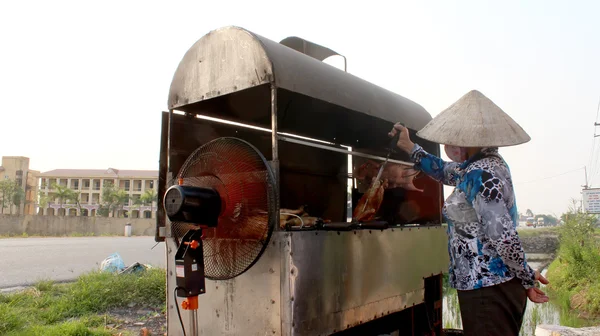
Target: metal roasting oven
[[314, 124]]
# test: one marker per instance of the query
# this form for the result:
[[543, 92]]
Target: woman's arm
[[440, 170], [493, 192]]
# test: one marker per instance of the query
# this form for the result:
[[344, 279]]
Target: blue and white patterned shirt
[[482, 217]]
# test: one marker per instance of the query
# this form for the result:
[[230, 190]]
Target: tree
[[113, 199], [77, 199], [579, 226], [574, 208], [43, 201], [120, 196], [12, 194], [7, 189], [529, 213], [136, 204], [63, 193], [103, 211], [149, 197], [108, 199], [18, 198]]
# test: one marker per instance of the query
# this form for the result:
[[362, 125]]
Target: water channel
[[535, 314]]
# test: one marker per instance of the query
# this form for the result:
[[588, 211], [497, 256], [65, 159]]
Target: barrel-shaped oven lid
[[232, 59]]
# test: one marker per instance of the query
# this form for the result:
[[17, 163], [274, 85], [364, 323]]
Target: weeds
[[574, 274], [73, 309]]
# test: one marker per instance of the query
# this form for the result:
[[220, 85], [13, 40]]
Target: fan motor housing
[[200, 206]]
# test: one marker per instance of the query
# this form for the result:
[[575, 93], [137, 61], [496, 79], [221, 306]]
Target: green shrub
[[574, 275]]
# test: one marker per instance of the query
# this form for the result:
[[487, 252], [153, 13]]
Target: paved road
[[23, 261]]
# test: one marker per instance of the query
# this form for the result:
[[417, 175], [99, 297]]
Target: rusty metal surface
[[315, 284], [232, 59], [246, 305], [305, 283], [338, 280], [308, 176], [161, 231], [221, 62]]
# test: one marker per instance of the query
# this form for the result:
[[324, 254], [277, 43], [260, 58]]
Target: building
[[88, 185], [16, 168]]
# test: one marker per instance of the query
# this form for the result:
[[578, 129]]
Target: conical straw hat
[[474, 121]]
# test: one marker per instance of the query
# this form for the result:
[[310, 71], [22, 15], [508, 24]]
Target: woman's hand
[[539, 277], [404, 142], [535, 294]]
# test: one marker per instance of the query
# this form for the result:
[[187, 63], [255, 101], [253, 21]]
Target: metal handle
[[338, 226], [377, 225], [394, 141]]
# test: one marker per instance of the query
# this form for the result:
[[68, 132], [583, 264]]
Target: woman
[[487, 262]]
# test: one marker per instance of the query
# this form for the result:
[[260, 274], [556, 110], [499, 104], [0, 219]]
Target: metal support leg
[[194, 322]]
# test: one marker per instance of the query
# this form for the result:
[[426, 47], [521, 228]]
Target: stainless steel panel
[[316, 283], [341, 279], [232, 59], [246, 305], [221, 62]]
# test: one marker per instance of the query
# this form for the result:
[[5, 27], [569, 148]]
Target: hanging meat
[[369, 203], [306, 221], [286, 214], [298, 217], [397, 175]]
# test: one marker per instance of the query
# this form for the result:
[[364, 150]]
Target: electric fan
[[223, 210]]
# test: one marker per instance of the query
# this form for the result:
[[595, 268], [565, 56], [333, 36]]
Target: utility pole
[[586, 186], [596, 124]]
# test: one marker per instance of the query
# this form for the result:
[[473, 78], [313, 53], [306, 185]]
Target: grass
[[576, 289], [573, 275], [79, 308]]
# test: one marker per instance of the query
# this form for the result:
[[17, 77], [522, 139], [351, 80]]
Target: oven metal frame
[[306, 282]]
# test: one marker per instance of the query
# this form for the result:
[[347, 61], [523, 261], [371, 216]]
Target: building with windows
[[88, 185], [16, 168]]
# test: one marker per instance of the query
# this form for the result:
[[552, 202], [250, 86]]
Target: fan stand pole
[[191, 304], [189, 263], [194, 322]]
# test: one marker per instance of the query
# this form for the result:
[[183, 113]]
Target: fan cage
[[246, 184]]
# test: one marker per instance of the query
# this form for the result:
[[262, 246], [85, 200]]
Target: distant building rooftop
[[102, 173]]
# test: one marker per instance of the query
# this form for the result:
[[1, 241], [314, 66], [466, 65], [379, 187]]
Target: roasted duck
[[369, 203], [287, 214], [397, 175], [298, 217]]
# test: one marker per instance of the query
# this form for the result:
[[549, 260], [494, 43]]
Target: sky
[[83, 84]]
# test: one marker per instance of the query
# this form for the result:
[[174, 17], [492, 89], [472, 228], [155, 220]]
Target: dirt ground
[[142, 321]]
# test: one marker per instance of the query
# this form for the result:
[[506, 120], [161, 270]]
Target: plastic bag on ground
[[134, 268], [113, 263]]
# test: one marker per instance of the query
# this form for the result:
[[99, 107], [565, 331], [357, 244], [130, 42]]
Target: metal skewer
[[391, 147]]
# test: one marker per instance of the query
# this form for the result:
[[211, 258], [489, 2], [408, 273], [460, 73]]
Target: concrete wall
[[540, 244], [67, 226]]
